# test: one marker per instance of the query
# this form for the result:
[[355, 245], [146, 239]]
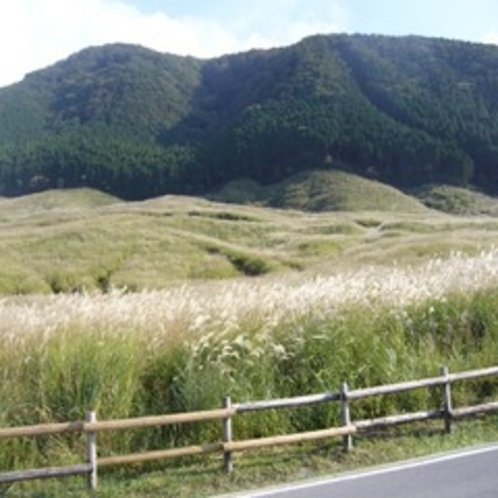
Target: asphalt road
[[468, 474]]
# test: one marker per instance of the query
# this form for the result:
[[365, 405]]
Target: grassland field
[[170, 304]]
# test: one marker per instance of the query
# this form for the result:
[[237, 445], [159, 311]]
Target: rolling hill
[[81, 240], [136, 123], [322, 190]]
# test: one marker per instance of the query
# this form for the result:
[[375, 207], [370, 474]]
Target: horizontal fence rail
[[28, 475], [91, 427], [141, 422], [286, 402]]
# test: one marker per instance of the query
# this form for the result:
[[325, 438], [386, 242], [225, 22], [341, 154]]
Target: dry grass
[[198, 308], [74, 241]]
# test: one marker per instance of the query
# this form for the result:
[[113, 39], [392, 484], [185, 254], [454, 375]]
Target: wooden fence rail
[[91, 426]]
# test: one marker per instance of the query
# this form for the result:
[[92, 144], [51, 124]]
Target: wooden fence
[[227, 445]]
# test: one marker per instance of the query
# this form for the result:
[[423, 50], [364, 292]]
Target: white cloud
[[287, 21], [36, 33], [491, 38]]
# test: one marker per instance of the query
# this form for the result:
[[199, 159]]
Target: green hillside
[[83, 240], [322, 191], [457, 200], [137, 124], [56, 200]]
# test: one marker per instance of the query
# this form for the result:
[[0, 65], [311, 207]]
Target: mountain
[[135, 123]]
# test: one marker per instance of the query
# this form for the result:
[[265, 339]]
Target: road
[[471, 473]]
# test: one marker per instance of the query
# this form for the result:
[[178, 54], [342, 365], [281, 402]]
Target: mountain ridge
[[127, 120]]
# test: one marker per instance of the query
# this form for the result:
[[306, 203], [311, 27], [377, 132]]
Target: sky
[[37, 33]]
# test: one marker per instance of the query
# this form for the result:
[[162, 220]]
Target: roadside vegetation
[[186, 348]]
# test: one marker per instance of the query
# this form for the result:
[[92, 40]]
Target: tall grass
[[183, 349]]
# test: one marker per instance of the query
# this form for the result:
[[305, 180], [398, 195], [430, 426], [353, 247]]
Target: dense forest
[[136, 123]]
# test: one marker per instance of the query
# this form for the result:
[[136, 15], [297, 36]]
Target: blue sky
[[36, 33]]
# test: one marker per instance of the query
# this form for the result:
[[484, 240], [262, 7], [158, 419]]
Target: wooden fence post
[[91, 451], [346, 416], [447, 403], [227, 435]]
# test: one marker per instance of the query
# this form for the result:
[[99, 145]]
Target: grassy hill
[[75, 240], [457, 200], [322, 191], [57, 200]]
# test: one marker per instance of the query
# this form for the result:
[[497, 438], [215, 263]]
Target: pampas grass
[[130, 354]]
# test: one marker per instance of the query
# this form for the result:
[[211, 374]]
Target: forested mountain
[[136, 123]]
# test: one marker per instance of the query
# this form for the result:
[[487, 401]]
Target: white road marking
[[369, 473]]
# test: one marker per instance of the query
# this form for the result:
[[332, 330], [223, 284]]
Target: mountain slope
[[136, 123]]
